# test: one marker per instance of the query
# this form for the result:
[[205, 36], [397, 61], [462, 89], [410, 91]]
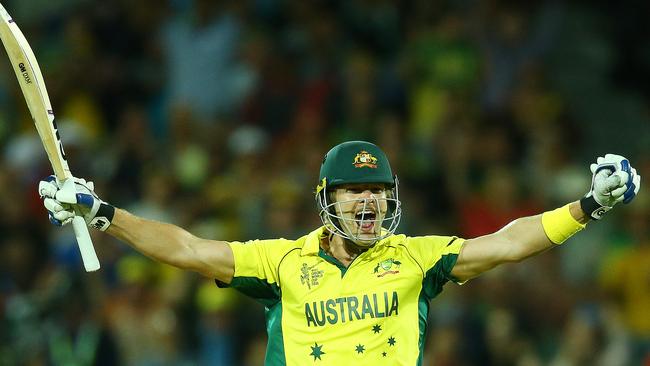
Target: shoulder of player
[[432, 248], [423, 241], [274, 247], [427, 250], [278, 248]]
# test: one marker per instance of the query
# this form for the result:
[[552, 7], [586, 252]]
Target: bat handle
[[88, 255]]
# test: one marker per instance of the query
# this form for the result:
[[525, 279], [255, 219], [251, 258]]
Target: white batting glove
[[613, 181], [97, 213]]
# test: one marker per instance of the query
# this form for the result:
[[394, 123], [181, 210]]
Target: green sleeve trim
[[434, 279], [275, 355], [266, 293], [423, 317], [438, 275]]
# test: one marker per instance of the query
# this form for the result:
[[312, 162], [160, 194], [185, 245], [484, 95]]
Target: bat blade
[[31, 83]]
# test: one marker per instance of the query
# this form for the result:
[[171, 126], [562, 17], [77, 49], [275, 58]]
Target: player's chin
[[364, 243], [366, 239]]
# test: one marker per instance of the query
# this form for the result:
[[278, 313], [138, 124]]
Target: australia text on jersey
[[332, 311]]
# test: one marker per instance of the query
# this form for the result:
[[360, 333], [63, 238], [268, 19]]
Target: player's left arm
[[614, 180], [520, 239]]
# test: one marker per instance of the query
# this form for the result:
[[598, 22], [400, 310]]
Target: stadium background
[[215, 115]]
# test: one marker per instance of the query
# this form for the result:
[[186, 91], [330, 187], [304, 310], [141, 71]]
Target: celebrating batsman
[[352, 291]]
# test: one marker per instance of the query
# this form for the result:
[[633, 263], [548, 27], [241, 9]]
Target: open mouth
[[366, 220]]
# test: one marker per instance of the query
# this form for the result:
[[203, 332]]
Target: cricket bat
[[31, 82]]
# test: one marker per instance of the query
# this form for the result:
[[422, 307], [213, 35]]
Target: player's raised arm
[[163, 242], [614, 180]]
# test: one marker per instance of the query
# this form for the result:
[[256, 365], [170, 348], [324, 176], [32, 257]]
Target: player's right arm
[[163, 242], [173, 245]]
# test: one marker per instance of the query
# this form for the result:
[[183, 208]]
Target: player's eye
[[373, 190]]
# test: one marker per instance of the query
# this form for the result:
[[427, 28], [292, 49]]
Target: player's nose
[[367, 194], [369, 199]]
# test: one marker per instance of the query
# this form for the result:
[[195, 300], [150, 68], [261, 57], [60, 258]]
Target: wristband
[[103, 217], [559, 225], [591, 207]]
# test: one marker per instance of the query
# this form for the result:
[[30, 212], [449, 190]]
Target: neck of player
[[344, 250]]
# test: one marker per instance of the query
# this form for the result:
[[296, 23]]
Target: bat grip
[[88, 255]]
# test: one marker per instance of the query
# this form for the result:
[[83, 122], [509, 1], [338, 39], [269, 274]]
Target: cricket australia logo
[[309, 275], [365, 159], [389, 266]]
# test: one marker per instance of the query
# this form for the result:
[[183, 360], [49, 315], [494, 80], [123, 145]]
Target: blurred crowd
[[215, 115]]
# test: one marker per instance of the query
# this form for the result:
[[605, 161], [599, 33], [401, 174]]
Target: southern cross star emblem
[[316, 351], [360, 348], [376, 328], [391, 341]]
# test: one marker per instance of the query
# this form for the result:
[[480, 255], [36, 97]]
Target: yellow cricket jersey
[[374, 312]]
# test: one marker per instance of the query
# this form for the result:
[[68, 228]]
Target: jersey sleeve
[[256, 268], [437, 256]]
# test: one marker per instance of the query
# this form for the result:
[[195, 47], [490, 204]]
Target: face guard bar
[[344, 227]]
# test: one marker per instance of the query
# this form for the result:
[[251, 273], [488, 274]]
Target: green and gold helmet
[[358, 162]]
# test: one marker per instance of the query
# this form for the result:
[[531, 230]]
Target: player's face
[[362, 208]]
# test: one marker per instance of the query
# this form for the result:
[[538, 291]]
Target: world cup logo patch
[[365, 159], [310, 276]]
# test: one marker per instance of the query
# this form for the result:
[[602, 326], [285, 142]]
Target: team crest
[[365, 159], [389, 266]]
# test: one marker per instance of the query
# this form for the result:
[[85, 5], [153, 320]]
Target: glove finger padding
[[47, 188], [619, 181], [610, 158], [617, 194], [607, 187], [625, 177], [608, 181], [613, 180], [613, 161], [632, 190], [89, 185], [53, 220], [53, 205], [62, 213]]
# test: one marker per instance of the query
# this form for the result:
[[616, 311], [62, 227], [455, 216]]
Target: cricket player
[[351, 292]]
